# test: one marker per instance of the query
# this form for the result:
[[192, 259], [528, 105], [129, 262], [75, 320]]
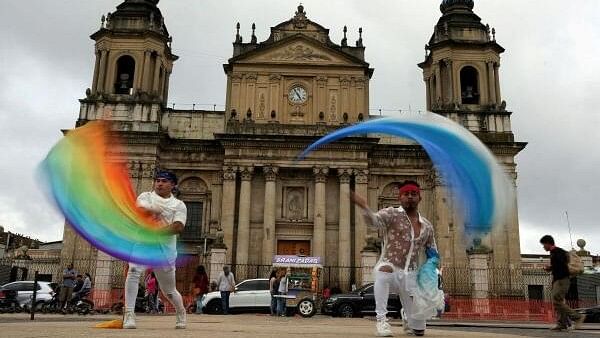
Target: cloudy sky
[[550, 78]]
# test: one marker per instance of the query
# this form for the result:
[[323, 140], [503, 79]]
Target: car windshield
[[368, 288]]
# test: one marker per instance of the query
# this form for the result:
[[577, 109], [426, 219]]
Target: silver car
[[25, 292]]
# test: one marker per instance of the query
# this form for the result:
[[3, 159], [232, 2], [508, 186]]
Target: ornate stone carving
[[246, 173], [361, 176], [270, 173], [344, 175], [321, 81], [148, 170], [134, 169], [333, 107], [274, 77], [261, 106], [193, 185], [218, 177], [229, 173], [360, 81], [236, 77], [295, 203], [299, 53], [320, 174], [300, 21], [345, 81], [251, 77]]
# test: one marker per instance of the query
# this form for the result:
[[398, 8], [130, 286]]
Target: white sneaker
[[384, 329], [180, 320], [129, 320]]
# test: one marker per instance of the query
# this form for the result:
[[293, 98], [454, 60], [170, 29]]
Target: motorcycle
[[9, 303], [80, 303], [141, 305]]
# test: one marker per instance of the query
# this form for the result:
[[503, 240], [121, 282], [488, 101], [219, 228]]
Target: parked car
[[24, 291], [358, 303], [592, 314], [251, 295]]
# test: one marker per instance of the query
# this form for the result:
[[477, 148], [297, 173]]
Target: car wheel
[[346, 311], [307, 308], [214, 307]]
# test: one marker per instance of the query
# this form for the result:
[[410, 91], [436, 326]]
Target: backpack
[[575, 263]]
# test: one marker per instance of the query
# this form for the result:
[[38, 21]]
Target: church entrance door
[[301, 248]]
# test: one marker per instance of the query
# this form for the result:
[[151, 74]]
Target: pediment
[[298, 49]]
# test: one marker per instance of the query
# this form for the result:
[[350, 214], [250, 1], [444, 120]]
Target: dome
[[448, 4]]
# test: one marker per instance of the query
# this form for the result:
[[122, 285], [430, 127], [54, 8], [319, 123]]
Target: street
[[255, 326]]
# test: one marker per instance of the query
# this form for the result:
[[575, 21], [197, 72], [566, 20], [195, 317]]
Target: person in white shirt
[[283, 290], [226, 285], [173, 213]]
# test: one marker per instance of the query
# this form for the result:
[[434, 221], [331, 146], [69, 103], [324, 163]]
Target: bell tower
[[133, 64], [461, 73], [461, 70]]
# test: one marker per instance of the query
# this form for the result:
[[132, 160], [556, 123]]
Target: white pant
[[166, 282], [403, 282]]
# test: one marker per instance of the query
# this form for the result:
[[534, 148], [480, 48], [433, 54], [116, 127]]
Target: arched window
[[125, 72], [469, 87]]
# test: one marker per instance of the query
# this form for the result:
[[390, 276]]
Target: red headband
[[409, 188]]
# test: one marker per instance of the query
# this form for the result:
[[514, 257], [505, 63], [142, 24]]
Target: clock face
[[297, 95]]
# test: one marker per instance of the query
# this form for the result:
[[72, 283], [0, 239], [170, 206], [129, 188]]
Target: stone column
[[428, 93], [217, 261], [217, 197], [156, 74], [455, 81], [320, 227], [268, 247], [96, 71], [228, 207], [478, 264], [369, 258], [145, 78], [491, 83], [102, 71], [165, 96], [438, 82], [344, 240], [361, 180], [243, 233], [103, 280], [497, 78]]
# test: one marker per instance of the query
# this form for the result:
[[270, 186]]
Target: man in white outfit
[[172, 213], [407, 235]]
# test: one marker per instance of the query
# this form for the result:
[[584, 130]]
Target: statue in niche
[[295, 205]]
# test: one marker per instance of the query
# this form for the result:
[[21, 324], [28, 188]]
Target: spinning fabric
[[428, 298], [95, 196], [466, 166]]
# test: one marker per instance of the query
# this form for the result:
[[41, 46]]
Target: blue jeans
[[281, 306], [199, 304], [225, 301], [273, 304]]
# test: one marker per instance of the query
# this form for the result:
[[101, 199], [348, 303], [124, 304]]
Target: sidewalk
[[254, 326]]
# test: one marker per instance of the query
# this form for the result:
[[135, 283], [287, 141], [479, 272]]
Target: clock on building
[[297, 95]]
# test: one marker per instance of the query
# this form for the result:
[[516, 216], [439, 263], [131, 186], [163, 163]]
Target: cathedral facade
[[238, 170]]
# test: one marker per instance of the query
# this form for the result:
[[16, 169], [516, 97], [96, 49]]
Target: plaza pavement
[[250, 325]]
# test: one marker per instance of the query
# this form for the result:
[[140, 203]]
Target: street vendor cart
[[303, 295]]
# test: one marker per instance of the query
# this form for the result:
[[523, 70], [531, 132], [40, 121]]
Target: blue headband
[[166, 175]]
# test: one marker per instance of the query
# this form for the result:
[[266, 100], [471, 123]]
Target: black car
[[592, 314], [358, 303]]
